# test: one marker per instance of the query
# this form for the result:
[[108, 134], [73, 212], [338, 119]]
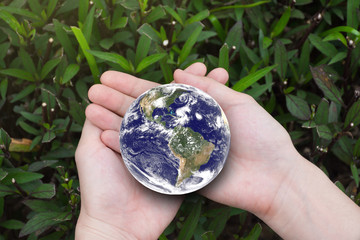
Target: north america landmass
[[188, 146]]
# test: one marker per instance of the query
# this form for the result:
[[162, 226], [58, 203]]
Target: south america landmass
[[191, 149]]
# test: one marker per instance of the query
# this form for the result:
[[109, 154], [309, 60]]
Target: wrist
[[309, 206], [91, 228]]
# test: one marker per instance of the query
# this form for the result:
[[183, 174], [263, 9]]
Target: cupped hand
[[261, 155], [113, 204]]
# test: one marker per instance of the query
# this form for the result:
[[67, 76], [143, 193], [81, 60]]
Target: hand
[[261, 153], [113, 204], [265, 175]]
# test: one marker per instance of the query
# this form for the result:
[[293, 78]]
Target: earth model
[[174, 139]]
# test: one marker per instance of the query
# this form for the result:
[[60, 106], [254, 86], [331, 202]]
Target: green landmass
[[147, 102], [192, 150]]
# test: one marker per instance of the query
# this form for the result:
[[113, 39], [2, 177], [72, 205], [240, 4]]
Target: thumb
[[224, 95]]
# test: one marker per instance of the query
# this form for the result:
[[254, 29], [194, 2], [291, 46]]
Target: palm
[[252, 174], [109, 193], [114, 197], [255, 168]]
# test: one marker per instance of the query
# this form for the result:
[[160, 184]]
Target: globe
[[174, 139]]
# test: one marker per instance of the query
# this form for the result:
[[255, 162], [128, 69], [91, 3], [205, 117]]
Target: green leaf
[[174, 14], [38, 165], [35, 6], [130, 4], [336, 36], [250, 79], [4, 138], [31, 117], [49, 65], [281, 24], [27, 61], [64, 39], [3, 88], [21, 12], [224, 57], [218, 27], [208, 236], [83, 10], [352, 13], [324, 47], [346, 29], [113, 57], [51, 7], [142, 48], [304, 58], [324, 132], [150, 32], [70, 72], [238, 6], [5, 191], [10, 20], [257, 91], [298, 107], [254, 233], [12, 224], [235, 35], [155, 14], [18, 73], [166, 70], [191, 222], [333, 113], [353, 116], [356, 151], [324, 82], [23, 93], [107, 43], [29, 128], [90, 58], [355, 173], [340, 186], [20, 176], [77, 112], [281, 59], [2, 203], [322, 113], [338, 57], [46, 191], [309, 124], [41, 205], [190, 42], [44, 220], [3, 174], [146, 62], [88, 24], [48, 136], [218, 224], [198, 17]]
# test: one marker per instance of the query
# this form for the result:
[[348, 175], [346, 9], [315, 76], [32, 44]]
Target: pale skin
[[264, 174]]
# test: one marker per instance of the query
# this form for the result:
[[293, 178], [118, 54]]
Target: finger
[[126, 84], [109, 98], [219, 74], [225, 96], [90, 136], [111, 139], [102, 117], [198, 69]]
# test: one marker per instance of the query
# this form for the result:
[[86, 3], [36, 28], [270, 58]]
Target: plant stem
[[17, 186], [314, 22]]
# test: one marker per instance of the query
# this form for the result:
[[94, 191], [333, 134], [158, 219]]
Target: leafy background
[[298, 59]]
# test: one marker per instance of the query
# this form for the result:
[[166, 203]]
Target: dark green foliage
[[298, 60]]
